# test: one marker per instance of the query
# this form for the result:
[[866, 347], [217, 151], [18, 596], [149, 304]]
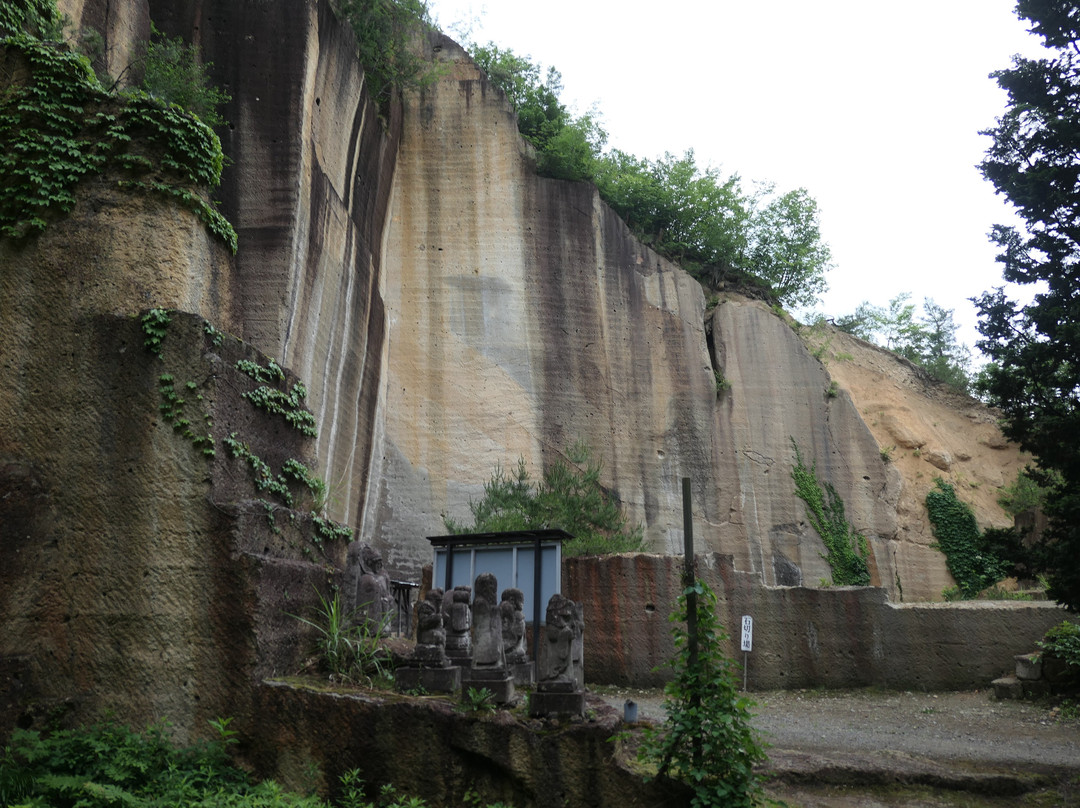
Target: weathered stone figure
[[354, 568], [373, 590], [559, 691], [429, 666], [557, 654], [488, 669], [430, 635], [512, 617], [457, 618], [487, 624]]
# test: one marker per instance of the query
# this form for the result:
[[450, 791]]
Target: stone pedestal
[[524, 673], [500, 682], [555, 703], [432, 680]]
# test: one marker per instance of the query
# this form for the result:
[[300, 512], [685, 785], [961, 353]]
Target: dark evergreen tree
[[1034, 377]]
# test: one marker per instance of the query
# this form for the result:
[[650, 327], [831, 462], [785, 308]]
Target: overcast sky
[[873, 107]]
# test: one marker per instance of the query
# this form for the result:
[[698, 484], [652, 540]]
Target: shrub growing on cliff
[[706, 739], [62, 127], [972, 565], [689, 214], [847, 549], [569, 497], [175, 73], [386, 37]]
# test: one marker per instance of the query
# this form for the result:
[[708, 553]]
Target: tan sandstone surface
[[452, 312]]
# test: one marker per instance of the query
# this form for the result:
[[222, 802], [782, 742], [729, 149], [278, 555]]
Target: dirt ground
[[871, 749]]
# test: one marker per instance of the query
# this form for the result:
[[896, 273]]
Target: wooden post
[[688, 572], [691, 611]]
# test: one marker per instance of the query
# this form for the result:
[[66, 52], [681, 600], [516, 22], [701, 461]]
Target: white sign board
[[747, 633]]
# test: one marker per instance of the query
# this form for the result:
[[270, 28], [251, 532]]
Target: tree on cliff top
[[928, 341], [386, 31], [693, 216], [570, 497], [1034, 379]]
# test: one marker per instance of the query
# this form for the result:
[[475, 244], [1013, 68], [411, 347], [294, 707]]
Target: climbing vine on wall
[[970, 563], [59, 126], [847, 549], [179, 401]]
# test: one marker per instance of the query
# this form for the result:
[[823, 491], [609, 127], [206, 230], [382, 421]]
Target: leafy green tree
[[386, 33], [1034, 377], [786, 248], [706, 739], [692, 215], [928, 341], [567, 147], [569, 497]]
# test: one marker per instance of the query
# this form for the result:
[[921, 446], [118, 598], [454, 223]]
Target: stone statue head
[[487, 587], [370, 560], [560, 611], [515, 597]]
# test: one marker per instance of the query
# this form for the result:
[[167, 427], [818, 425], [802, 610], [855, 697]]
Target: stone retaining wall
[[833, 637]]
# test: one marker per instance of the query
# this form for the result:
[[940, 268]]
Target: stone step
[[1013, 687], [1008, 687]]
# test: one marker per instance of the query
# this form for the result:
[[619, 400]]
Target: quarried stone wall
[[833, 637], [428, 747]]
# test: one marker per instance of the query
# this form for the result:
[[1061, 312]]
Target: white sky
[[873, 107]]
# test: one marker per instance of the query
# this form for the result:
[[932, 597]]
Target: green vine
[[292, 471], [971, 565], [289, 405], [330, 531], [847, 549], [155, 325], [174, 400], [60, 126], [172, 411]]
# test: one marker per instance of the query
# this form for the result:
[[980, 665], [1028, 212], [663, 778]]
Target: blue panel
[[499, 560]]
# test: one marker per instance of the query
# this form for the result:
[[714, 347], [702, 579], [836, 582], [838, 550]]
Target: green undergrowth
[[59, 127], [107, 764]]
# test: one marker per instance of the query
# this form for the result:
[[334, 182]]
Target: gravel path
[[835, 747]]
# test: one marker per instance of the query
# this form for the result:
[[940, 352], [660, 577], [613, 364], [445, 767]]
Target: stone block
[[1028, 666], [524, 674], [500, 683], [1035, 689], [543, 704], [433, 680], [1007, 687]]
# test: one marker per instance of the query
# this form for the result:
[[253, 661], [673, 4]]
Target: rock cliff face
[[451, 311]]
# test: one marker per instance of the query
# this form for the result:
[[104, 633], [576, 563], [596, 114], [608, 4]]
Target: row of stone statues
[[469, 639], [445, 625]]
